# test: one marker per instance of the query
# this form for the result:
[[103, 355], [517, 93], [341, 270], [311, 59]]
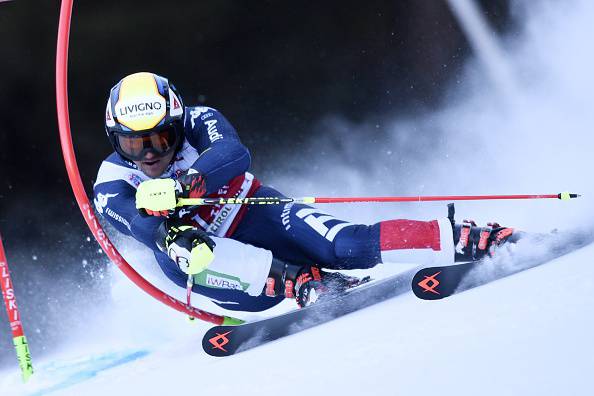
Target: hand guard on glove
[[158, 197], [190, 248], [193, 184]]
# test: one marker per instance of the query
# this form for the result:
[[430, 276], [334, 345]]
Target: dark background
[[274, 68]]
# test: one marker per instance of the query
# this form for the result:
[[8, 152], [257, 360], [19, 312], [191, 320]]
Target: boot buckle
[[464, 236]]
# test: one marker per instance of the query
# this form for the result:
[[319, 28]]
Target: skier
[[243, 257]]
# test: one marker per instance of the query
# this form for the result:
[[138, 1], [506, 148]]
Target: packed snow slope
[[530, 333]]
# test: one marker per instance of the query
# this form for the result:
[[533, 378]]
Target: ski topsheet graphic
[[435, 283], [228, 340]]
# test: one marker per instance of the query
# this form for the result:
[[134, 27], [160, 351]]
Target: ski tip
[[425, 284], [221, 341], [564, 196]]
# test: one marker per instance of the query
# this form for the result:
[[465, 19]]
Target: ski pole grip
[[564, 196]]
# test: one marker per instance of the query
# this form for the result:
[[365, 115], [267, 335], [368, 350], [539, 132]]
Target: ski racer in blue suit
[[243, 257]]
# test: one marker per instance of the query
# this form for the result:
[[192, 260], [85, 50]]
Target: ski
[[224, 340], [436, 283]]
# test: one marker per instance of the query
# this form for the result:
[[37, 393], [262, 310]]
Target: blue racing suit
[[294, 232]]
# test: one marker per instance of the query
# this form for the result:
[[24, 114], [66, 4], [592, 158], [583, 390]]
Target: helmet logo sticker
[[109, 121], [141, 114], [175, 105], [140, 106]]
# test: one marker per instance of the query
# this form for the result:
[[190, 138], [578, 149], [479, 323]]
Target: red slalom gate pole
[[79, 190], [14, 318]]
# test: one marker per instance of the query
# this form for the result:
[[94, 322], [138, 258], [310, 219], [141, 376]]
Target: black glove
[[192, 184]]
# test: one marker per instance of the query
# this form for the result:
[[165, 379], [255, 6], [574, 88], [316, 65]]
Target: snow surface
[[530, 333]]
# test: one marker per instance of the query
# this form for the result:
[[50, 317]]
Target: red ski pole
[[14, 318], [310, 200]]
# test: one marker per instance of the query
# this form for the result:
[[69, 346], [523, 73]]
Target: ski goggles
[[134, 147]]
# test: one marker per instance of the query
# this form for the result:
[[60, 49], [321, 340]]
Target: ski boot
[[473, 243], [307, 284]]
